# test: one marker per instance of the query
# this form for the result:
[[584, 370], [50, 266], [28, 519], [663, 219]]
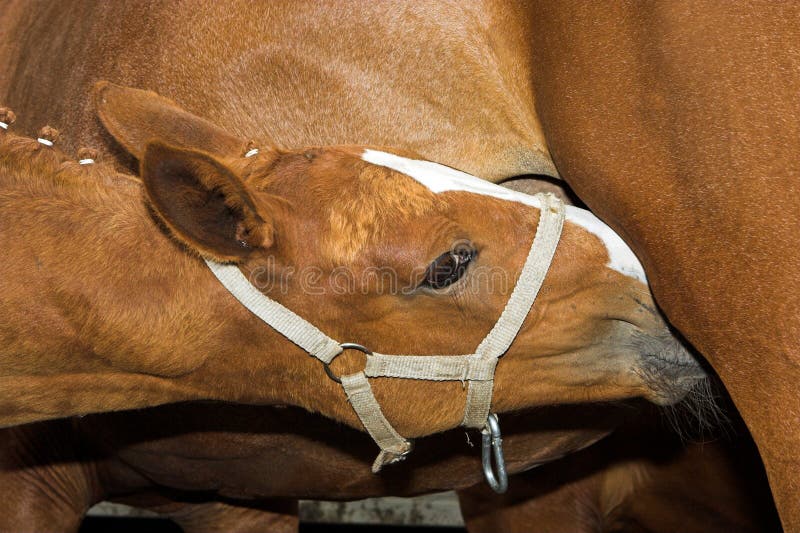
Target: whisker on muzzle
[[701, 414]]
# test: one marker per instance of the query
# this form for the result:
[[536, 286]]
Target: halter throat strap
[[477, 369]]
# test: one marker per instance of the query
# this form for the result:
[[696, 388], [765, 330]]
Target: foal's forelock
[[357, 204], [377, 202]]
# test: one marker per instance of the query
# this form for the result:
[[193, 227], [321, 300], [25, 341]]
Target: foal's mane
[[28, 164]]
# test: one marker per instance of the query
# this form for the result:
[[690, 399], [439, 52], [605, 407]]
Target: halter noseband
[[477, 368]]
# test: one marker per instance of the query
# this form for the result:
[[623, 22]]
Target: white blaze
[[439, 178]]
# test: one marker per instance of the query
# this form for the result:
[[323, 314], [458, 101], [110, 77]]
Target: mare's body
[[443, 79], [679, 124]]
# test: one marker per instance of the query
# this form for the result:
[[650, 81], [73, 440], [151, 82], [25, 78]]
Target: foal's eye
[[448, 268]]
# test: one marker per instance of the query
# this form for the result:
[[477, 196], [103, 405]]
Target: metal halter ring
[[492, 441], [345, 346]]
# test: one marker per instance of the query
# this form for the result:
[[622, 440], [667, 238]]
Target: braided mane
[[25, 160]]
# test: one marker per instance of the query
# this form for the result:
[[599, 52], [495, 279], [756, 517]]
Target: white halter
[[476, 368]]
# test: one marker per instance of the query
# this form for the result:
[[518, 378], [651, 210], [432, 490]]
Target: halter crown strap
[[478, 368]]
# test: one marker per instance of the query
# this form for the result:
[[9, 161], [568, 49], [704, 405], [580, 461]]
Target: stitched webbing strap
[[304, 334], [287, 323], [393, 447], [429, 367], [495, 344]]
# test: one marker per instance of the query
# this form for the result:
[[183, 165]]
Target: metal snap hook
[[492, 442], [345, 346]]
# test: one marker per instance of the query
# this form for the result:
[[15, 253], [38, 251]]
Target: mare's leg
[[673, 121], [545, 501], [635, 481], [275, 516], [45, 484]]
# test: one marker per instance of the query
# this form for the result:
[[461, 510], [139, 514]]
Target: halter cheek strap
[[393, 446], [477, 369]]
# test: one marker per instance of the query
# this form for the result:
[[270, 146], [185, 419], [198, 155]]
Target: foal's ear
[[135, 117], [204, 203]]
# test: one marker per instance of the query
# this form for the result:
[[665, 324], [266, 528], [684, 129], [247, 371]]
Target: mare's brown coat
[[291, 73], [679, 125]]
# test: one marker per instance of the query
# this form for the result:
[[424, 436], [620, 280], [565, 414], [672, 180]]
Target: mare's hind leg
[[640, 479], [45, 485], [255, 517]]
